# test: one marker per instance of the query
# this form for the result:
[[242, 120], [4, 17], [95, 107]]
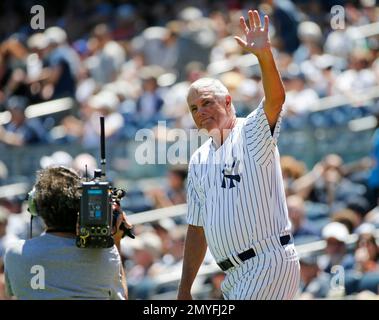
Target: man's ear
[[228, 102]]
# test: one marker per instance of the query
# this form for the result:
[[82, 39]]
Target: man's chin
[[212, 131]]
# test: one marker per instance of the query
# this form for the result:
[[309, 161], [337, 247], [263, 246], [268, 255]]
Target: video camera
[[97, 217]]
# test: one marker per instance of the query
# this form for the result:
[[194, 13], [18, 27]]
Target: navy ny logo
[[231, 172]]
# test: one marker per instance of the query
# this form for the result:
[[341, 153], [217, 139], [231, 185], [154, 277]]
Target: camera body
[[96, 216]]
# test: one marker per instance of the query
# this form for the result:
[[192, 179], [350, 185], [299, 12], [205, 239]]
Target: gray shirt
[[52, 267]]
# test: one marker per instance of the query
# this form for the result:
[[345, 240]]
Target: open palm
[[257, 38]]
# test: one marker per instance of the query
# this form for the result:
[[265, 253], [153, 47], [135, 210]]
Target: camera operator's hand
[[121, 219]]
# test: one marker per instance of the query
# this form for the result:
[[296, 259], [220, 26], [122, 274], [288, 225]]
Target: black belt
[[227, 264]]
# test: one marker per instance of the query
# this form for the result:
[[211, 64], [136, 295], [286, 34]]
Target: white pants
[[272, 275]]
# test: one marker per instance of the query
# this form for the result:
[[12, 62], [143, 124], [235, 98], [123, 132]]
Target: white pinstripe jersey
[[236, 192]]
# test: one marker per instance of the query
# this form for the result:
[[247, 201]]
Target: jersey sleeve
[[194, 202], [260, 142]]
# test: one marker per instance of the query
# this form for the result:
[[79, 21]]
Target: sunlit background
[[133, 61]]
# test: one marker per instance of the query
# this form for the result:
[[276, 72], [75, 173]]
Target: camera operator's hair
[[57, 197]]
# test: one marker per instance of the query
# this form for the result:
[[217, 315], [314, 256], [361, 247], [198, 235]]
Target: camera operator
[[51, 266]]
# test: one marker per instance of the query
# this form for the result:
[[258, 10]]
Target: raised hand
[[257, 38]]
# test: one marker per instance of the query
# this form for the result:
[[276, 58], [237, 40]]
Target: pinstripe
[[293, 281], [244, 207], [285, 276], [250, 196], [254, 203], [257, 294], [296, 279], [271, 288], [274, 285], [243, 200], [267, 198], [289, 282], [232, 217], [263, 205], [252, 278]]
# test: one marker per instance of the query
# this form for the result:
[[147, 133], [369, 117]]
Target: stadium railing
[[206, 270]]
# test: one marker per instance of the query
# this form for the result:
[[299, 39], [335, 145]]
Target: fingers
[[244, 27], [127, 223], [267, 21], [123, 219], [251, 19], [241, 42], [257, 19]]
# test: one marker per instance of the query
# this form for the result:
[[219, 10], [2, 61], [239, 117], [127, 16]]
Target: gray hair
[[213, 85]]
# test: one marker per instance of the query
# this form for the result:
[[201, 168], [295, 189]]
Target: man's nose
[[202, 112]]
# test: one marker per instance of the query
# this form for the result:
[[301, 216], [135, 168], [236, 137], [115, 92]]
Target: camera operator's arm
[[117, 240], [118, 235]]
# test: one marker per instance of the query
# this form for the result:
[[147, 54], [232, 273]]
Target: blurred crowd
[[133, 63]]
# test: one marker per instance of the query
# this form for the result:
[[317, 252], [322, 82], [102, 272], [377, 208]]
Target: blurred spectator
[[336, 234], [175, 103], [314, 282], [105, 104], [147, 55], [58, 158], [297, 93], [37, 44], [358, 76], [359, 205], [3, 226], [146, 253], [20, 131], [327, 184], [292, 170], [12, 69], [373, 217], [367, 253], [150, 103], [174, 259], [161, 46], [215, 281], [108, 56], [286, 17], [175, 192], [310, 36], [3, 172], [302, 230], [163, 227], [62, 65], [347, 217]]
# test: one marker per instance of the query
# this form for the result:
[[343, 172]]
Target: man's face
[[334, 247], [18, 117], [208, 111]]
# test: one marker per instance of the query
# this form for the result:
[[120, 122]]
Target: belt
[[250, 253]]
